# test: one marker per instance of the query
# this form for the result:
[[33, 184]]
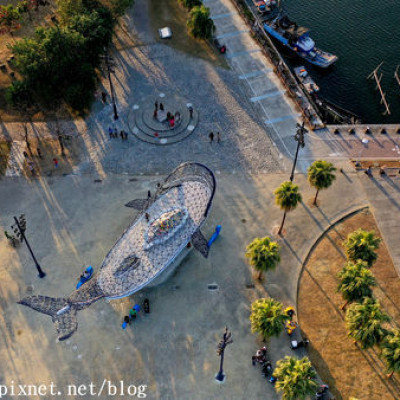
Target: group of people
[[133, 312], [211, 137], [159, 114], [113, 133]]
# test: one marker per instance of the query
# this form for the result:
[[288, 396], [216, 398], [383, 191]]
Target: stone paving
[[145, 127]]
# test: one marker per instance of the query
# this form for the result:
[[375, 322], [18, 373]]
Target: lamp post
[[20, 231], [226, 339], [299, 138], [108, 60]]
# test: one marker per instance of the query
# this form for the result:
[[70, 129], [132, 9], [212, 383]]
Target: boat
[[297, 39], [306, 80]]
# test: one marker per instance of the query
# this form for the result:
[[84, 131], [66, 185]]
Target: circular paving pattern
[[143, 124]]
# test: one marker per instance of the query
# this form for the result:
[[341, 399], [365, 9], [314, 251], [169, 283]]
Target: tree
[[9, 17], [364, 322], [263, 254], [391, 351], [267, 317], [361, 245], [189, 4], [287, 197], [321, 176], [199, 23], [296, 379], [355, 282]]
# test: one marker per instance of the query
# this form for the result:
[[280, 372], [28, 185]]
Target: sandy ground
[[321, 319]]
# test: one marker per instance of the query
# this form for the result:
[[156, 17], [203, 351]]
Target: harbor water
[[362, 33]]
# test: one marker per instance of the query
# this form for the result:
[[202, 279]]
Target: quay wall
[[298, 94]]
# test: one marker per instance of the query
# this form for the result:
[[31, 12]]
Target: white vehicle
[[165, 33]]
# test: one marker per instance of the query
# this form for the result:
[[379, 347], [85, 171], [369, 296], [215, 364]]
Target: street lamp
[[109, 64], [20, 229], [226, 339], [299, 138]]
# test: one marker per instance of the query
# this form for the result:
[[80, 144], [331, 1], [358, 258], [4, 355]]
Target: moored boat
[[306, 80], [297, 39]]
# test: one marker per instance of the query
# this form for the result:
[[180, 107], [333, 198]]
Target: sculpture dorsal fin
[[200, 243]]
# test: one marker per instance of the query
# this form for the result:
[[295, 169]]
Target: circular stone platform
[[145, 127]]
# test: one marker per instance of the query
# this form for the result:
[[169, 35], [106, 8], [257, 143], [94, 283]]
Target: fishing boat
[[297, 39], [306, 80]]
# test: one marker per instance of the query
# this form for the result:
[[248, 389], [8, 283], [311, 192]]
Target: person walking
[[156, 105], [110, 132], [55, 162], [39, 153], [211, 136], [191, 112], [218, 138], [161, 107], [122, 135]]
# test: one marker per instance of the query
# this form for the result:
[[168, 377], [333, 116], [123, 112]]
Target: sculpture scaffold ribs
[[151, 245]]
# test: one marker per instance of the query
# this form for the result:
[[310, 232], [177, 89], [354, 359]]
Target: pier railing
[[295, 91]]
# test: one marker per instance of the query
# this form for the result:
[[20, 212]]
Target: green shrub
[[199, 23]]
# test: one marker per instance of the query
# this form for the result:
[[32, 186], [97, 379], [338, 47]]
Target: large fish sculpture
[[166, 223]]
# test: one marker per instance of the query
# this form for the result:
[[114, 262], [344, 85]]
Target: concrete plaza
[[74, 220]]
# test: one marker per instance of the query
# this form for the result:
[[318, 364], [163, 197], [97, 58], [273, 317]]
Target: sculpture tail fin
[[62, 313]]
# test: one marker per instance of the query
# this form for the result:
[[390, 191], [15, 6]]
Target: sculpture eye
[[129, 264]]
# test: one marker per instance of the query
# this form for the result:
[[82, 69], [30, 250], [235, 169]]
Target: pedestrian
[[191, 112], [39, 152], [156, 105], [126, 322], [211, 136], [382, 170], [132, 313], [148, 194], [161, 107], [369, 171], [177, 116], [30, 166], [147, 217], [104, 97], [218, 138], [122, 135], [55, 162], [110, 132]]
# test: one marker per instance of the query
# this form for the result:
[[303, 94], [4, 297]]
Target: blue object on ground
[[136, 307], [214, 235], [83, 279]]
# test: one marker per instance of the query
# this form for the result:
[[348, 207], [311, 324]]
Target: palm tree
[[267, 317], [263, 254], [355, 282], [321, 176], [296, 379], [287, 197], [199, 23], [364, 322], [361, 245], [391, 351]]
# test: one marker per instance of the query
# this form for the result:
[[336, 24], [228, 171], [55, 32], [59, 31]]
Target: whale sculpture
[[166, 223]]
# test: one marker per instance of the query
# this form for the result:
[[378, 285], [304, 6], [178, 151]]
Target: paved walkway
[[173, 349]]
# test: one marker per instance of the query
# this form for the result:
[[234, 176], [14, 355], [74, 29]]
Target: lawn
[[348, 370]]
